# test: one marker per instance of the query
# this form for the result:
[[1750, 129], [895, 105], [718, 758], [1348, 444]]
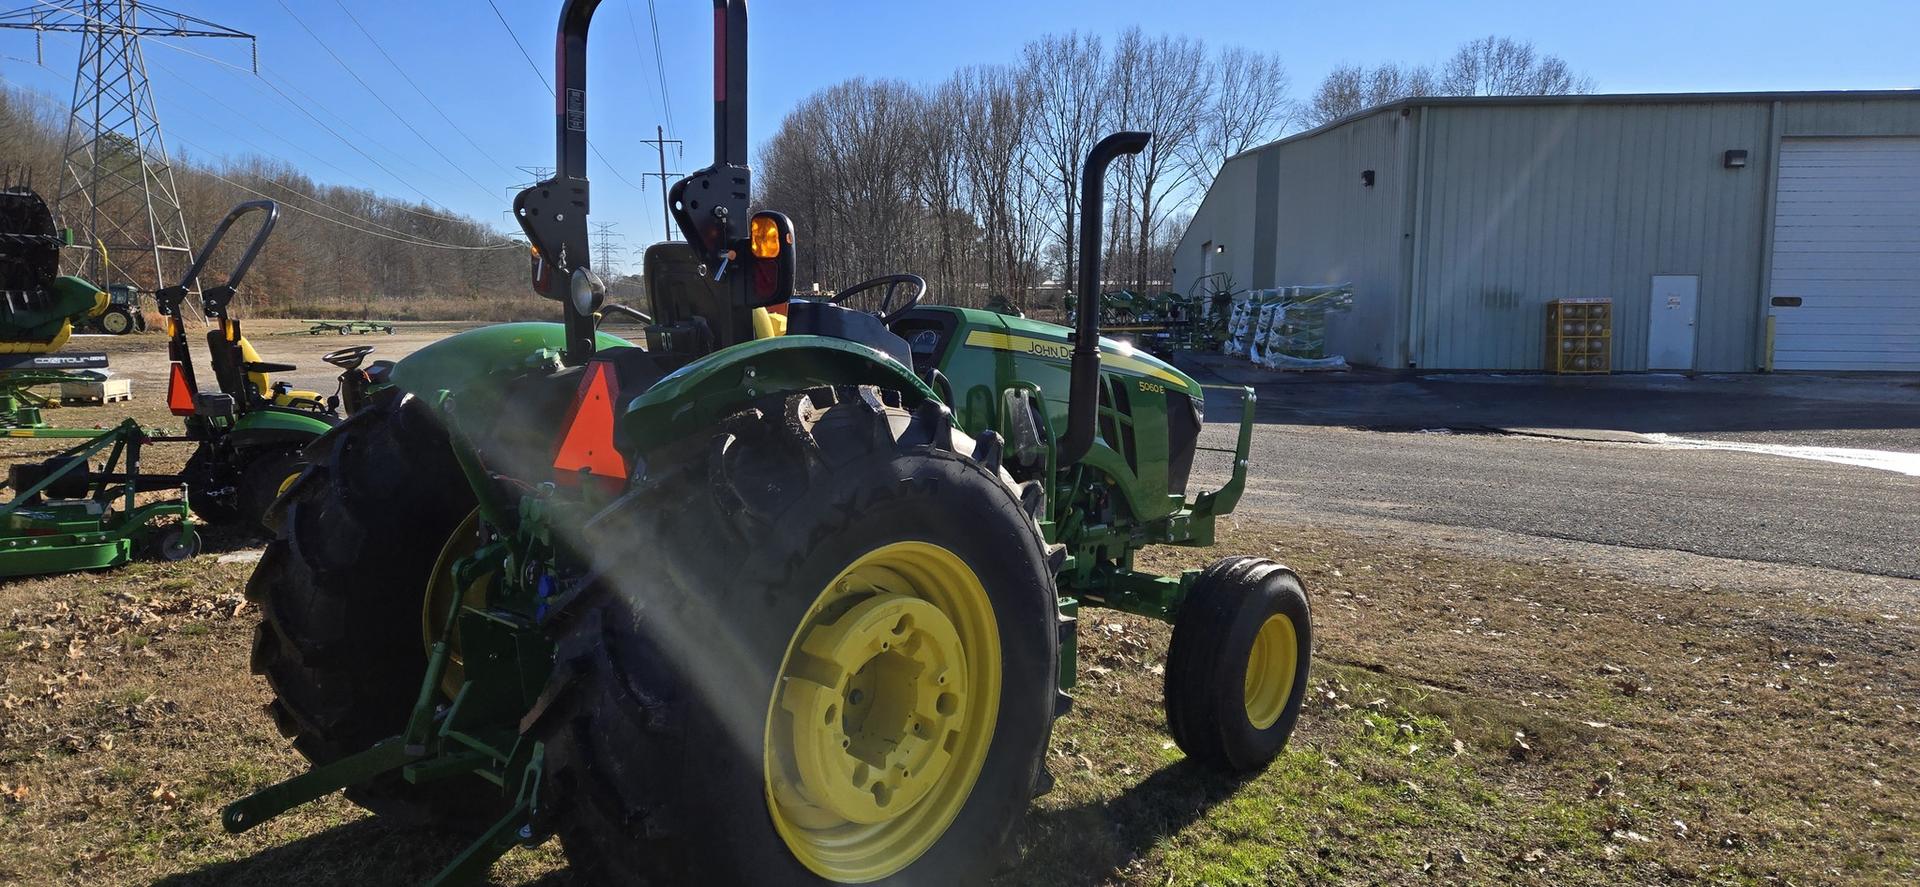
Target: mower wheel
[[176, 543], [1237, 666], [823, 651], [340, 589]]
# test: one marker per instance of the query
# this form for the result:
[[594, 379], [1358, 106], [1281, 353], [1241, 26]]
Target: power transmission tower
[[660, 143], [116, 184], [603, 253], [537, 173]]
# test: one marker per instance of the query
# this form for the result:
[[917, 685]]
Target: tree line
[[335, 250], [969, 181], [973, 182]]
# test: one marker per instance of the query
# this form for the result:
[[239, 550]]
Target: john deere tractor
[[786, 596]]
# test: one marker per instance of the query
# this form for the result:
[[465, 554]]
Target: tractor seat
[[806, 318]]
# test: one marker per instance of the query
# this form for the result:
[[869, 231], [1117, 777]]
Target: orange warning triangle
[[587, 445], [180, 400]]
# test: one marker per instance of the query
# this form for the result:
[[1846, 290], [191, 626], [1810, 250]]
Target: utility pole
[[116, 184], [660, 143], [603, 253]]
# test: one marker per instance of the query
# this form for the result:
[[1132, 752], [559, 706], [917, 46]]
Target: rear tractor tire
[[116, 321], [825, 652], [1237, 666], [341, 588]]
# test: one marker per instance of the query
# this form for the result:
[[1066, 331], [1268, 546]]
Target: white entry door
[[1674, 308]]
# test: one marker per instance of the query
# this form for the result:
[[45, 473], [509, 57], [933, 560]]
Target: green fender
[[713, 387], [456, 363], [264, 427]]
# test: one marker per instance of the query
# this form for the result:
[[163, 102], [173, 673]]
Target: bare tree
[[1164, 92], [1487, 66], [1247, 105], [1349, 90], [1068, 75], [1503, 66]]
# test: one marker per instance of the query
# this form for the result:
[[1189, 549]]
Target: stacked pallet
[[1580, 336]]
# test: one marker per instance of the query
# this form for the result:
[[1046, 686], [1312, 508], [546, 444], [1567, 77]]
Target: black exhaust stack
[[1084, 394]]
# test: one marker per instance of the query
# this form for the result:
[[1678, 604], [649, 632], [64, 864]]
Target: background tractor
[[786, 596]]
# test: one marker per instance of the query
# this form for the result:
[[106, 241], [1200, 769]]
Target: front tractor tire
[[341, 587], [824, 651], [1237, 666]]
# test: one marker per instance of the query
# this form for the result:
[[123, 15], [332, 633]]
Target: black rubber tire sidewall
[[708, 794], [340, 590], [261, 474], [1207, 663]]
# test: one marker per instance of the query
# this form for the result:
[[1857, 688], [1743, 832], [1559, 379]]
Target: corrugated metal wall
[[1854, 117], [1525, 204], [1225, 216], [1481, 213], [1332, 228]]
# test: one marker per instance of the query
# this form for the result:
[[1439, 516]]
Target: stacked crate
[[1580, 335]]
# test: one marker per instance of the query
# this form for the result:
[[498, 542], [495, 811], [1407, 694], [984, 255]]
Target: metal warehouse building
[[1733, 231]]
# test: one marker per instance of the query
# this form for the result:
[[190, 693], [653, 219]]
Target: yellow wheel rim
[[885, 708], [1270, 667], [464, 541], [286, 483]]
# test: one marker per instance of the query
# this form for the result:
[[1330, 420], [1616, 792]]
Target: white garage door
[[1846, 255]]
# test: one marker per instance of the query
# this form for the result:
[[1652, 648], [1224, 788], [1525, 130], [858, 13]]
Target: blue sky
[[460, 55]]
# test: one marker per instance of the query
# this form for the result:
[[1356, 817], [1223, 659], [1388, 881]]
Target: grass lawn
[[1473, 720]]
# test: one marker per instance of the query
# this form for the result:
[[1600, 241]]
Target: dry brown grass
[[1475, 720]]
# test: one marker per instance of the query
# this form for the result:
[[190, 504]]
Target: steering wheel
[[348, 358], [914, 283]]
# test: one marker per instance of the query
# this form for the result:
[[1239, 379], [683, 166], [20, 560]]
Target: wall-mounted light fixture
[[1220, 248], [1366, 178], [1736, 158]]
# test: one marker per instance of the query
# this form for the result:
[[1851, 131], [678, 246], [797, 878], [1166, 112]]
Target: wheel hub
[[873, 707], [883, 712], [1270, 671]]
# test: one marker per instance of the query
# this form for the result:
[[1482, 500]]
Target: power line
[[660, 65], [351, 144], [633, 31], [537, 72], [403, 236], [549, 85], [377, 97], [370, 233], [416, 87]]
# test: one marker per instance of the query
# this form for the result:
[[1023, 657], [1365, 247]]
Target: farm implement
[[247, 438], [787, 596]]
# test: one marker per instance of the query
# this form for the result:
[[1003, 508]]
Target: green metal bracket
[[509, 831], [387, 755], [1223, 500]]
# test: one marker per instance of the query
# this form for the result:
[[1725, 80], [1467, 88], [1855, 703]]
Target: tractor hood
[[1053, 342]]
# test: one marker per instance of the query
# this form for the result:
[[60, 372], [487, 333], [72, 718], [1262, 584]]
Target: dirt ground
[[1484, 710]]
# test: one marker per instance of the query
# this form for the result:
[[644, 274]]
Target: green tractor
[[787, 596]]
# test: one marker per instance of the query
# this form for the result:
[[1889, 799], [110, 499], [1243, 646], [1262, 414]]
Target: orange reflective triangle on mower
[[180, 400], [587, 446]]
